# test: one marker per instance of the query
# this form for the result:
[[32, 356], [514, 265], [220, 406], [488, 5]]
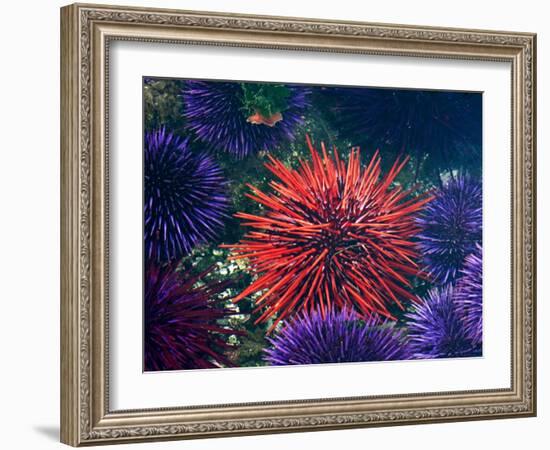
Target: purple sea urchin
[[216, 112], [180, 324], [184, 197], [335, 337], [437, 328], [469, 294], [450, 228], [445, 127]]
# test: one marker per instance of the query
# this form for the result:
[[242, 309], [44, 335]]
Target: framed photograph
[[275, 225]]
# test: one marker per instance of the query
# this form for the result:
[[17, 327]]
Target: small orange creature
[[258, 119]]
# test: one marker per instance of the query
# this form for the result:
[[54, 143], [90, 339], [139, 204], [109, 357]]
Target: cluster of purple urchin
[[185, 204], [447, 322]]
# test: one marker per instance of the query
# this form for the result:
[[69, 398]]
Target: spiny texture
[[469, 294], [214, 111], [444, 126], [181, 330], [437, 328], [185, 198], [333, 235], [336, 337], [451, 228]]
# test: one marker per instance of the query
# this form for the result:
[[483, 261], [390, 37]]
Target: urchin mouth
[[341, 249]]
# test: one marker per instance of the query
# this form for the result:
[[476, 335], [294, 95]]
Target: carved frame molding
[[86, 31]]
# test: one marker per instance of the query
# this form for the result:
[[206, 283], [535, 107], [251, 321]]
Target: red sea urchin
[[334, 234]]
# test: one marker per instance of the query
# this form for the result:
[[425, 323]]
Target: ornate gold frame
[[86, 31]]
